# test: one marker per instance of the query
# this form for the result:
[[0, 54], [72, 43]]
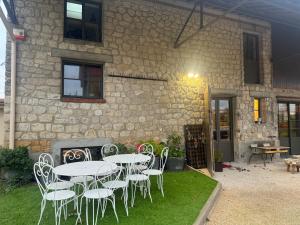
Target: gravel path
[[258, 196]]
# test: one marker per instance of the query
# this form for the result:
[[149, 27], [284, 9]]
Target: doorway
[[222, 127], [289, 126]]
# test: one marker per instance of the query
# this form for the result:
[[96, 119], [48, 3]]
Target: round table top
[[127, 158], [86, 168]]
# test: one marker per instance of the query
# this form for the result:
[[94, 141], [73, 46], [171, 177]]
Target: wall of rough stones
[[139, 36]]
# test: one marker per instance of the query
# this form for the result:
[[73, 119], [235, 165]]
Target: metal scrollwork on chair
[[109, 149], [75, 155], [46, 158]]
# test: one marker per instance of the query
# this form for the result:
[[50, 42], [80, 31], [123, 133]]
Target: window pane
[[283, 132], [251, 59], [72, 71], [74, 10], [73, 29], [92, 32], [94, 77], [256, 104], [73, 88], [92, 13], [256, 116], [224, 119]]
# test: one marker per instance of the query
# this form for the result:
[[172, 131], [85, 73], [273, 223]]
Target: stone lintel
[[82, 56]]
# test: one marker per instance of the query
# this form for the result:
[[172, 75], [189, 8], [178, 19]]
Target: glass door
[[222, 127], [289, 126]]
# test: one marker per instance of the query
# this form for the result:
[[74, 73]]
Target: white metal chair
[[109, 149], [114, 183], [159, 172], [46, 158], [97, 192], [146, 149], [137, 179], [45, 177], [75, 155]]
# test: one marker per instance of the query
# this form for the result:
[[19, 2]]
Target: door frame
[[231, 121], [287, 102]]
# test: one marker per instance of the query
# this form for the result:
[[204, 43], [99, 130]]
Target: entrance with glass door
[[289, 126], [222, 127]]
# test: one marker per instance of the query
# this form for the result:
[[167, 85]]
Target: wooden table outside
[[272, 150]]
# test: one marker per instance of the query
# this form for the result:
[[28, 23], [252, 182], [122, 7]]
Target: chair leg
[[162, 184], [125, 194], [87, 211], [114, 207], [149, 190], [133, 190], [43, 206]]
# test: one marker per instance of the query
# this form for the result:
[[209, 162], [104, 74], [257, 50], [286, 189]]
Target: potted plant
[[176, 158], [218, 161]]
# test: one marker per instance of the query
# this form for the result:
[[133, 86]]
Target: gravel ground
[[257, 195]]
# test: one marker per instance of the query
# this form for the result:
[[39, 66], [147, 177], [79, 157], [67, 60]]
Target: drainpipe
[[13, 61], [12, 116]]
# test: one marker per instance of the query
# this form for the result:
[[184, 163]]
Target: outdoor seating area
[[186, 193], [81, 179], [265, 150]]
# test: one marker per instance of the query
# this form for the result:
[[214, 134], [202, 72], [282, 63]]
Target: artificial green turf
[[185, 195]]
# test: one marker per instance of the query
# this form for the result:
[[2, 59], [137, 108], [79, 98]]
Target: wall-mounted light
[[193, 75]]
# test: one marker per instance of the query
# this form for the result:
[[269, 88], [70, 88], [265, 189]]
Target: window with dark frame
[[83, 20], [81, 80], [257, 110], [251, 59]]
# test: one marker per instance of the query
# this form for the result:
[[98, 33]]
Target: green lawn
[[185, 195]]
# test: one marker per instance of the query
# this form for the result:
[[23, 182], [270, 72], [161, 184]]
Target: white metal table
[[86, 168], [127, 158]]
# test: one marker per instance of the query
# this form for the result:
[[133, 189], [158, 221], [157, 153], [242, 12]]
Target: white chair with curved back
[[159, 172], [45, 178], [115, 182], [99, 193], [75, 155], [109, 150], [136, 178], [46, 158], [146, 149]]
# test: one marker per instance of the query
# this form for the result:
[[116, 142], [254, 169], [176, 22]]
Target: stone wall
[[139, 38]]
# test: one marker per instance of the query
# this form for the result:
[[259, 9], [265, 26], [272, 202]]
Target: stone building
[[118, 78]]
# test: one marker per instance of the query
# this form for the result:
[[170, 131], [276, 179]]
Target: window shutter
[[263, 107]]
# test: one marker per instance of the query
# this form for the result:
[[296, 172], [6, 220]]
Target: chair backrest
[[147, 149], [101, 178], [46, 158], [109, 149], [89, 155], [253, 145], [76, 155], [164, 158], [266, 144], [43, 173]]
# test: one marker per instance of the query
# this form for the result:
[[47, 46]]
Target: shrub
[[175, 146], [18, 161]]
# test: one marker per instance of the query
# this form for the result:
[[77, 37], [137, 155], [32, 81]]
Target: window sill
[[83, 42], [83, 100]]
